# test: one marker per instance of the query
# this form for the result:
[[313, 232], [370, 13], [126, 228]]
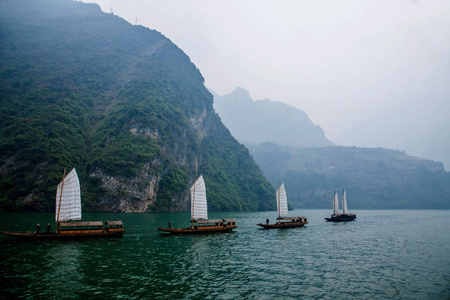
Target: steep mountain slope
[[267, 121], [374, 178], [121, 103]]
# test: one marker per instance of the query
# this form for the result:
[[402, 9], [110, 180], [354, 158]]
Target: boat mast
[[60, 199], [199, 206], [282, 202], [193, 205], [344, 203], [335, 204], [279, 202]]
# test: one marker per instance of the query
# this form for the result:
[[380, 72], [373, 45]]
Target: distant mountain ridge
[[267, 121], [311, 167], [374, 178]]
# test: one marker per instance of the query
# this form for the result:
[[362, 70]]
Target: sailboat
[[68, 214], [336, 216], [283, 221], [199, 214]]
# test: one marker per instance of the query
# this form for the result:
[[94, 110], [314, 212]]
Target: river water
[[384, 254]]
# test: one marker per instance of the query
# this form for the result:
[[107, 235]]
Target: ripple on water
[[382, 255]]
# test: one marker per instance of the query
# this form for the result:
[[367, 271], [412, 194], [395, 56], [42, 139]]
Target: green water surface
[[386, 254]]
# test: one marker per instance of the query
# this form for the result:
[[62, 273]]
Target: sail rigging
[[336, 216], [283, 221], [344, 203], [335, 204], [282, 202], [199, 214], [199, 207], [68, 208], [68, 198]]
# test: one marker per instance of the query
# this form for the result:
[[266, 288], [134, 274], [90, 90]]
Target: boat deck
[[341, 218], [75, 230], [58, 236], [204, 226], [286, 222], [201, 229]]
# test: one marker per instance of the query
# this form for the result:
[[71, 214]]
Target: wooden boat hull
[[197, 230], [60, 236], [341, 218], [283, 225]]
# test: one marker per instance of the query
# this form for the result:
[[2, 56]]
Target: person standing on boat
[[48, 227], [267, 221], [170, 225], [38, 228]]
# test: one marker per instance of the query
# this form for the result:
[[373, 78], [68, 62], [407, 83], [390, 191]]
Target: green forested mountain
[[373, 178], [120, 103]]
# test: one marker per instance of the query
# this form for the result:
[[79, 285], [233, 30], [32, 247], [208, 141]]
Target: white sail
[[344, 203], [70, 199], [282, 202], [335, 204], [199, 207]]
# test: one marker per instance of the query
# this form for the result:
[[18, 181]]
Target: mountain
[[291, 149], [120, 103], [431, 127], [374, 178], [267, 121]]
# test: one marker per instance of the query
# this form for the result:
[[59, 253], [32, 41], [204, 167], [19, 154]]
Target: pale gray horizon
[[370, 73]]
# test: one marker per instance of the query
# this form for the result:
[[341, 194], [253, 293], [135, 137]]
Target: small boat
[[199, 214], [68, 209], [283, 221], [336, 216]]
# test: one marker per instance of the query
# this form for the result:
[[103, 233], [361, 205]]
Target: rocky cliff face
[[138, 193]]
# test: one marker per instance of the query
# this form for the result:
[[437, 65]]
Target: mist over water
[[384, 254]]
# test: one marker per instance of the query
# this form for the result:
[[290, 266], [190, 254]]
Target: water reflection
[[380, 255], [64, 274]]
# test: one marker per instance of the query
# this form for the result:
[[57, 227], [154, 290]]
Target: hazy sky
[[371, 73]]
